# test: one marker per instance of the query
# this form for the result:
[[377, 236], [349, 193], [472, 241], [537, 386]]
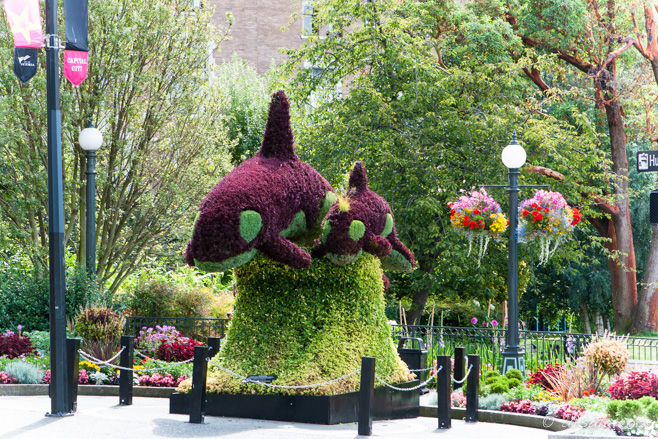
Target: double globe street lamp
[[91, 139]]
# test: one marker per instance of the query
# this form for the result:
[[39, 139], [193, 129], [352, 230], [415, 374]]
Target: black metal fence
[[540, 347], [198, 329]]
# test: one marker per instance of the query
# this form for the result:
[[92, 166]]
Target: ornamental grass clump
[[608, 356], [478, 217], [101, 330]]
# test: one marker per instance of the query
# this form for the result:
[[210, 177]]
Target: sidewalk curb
[[498, 417], [85, 390]]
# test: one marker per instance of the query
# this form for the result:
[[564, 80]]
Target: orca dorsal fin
[[278, 139], [358, 179]]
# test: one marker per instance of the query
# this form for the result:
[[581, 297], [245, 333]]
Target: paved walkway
[[100, 417]]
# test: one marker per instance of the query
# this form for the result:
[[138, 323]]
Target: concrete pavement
[[100, 417]]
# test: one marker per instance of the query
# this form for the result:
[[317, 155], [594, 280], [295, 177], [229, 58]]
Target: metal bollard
[[199, 374], [126, 376], [366, 395], [214, 343], [472, 389], [460, 354], [73, 359], [443, 392]]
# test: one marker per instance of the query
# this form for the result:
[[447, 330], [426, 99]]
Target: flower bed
[[23, 363]]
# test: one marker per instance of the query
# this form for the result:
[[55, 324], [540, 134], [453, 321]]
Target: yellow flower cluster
[[89, 366], [546, 396], [499, 223], [137, 369]]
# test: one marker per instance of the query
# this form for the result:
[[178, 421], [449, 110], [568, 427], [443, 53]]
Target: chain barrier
[[308, 386], [88, 357], [470, 366], [410, 388], [421, 370], [109, 361]]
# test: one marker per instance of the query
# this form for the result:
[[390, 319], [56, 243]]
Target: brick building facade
[[256, 33]]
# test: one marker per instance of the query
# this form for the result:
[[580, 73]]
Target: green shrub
[[25, 373], [514, 373], [514, 382], [24, 299], [500, 386], [164, 298], [40, 340], [652, 411], [490, 374]]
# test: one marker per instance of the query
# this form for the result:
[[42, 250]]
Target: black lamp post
[[90, 140], [59, 384], [513, 157]]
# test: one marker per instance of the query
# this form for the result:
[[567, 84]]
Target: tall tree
[[429, 96], [588, 36], [151, 95]]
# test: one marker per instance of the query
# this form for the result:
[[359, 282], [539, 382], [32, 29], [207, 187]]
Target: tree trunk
[[622, 267], [598, 321], [417, 306], [645, 315], [584, 312]]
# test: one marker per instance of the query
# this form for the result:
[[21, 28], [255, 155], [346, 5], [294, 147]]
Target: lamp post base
[[514, 359]]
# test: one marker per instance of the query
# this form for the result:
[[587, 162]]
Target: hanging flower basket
[[546, 218], [478, 217]]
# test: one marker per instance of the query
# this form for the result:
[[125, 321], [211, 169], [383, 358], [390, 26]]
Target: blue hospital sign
[[647, 161]]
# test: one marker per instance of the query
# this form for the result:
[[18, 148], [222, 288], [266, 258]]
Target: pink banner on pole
[[75, 66], [25, 22]]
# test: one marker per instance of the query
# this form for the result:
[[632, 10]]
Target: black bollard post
[[443, 391], [199, 374], [214, 343], [472, 389], [366, 395], [458, 374], [73, 359], [126, 376]]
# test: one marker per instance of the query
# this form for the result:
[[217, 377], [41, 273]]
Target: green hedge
[[24, 300], [306, 326]]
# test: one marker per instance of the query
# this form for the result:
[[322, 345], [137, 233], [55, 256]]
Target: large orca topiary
[[362, 222], [262, 204]]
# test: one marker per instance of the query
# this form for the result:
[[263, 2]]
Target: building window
[[308, 14]]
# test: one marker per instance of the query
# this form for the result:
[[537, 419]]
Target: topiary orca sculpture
[[363, 221], [262, 204]]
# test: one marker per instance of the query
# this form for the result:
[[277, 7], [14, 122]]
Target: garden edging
[[85, 390], [498, 417]]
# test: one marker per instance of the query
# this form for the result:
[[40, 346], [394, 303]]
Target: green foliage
[[165, 141], [40, 340], [514, 374], [25, 298], [25, 373], [250, 225], [425, 120], [306, 326], [246, 112], [159, 297]]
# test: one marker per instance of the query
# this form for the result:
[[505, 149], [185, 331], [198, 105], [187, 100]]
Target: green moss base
[[306, 326]]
